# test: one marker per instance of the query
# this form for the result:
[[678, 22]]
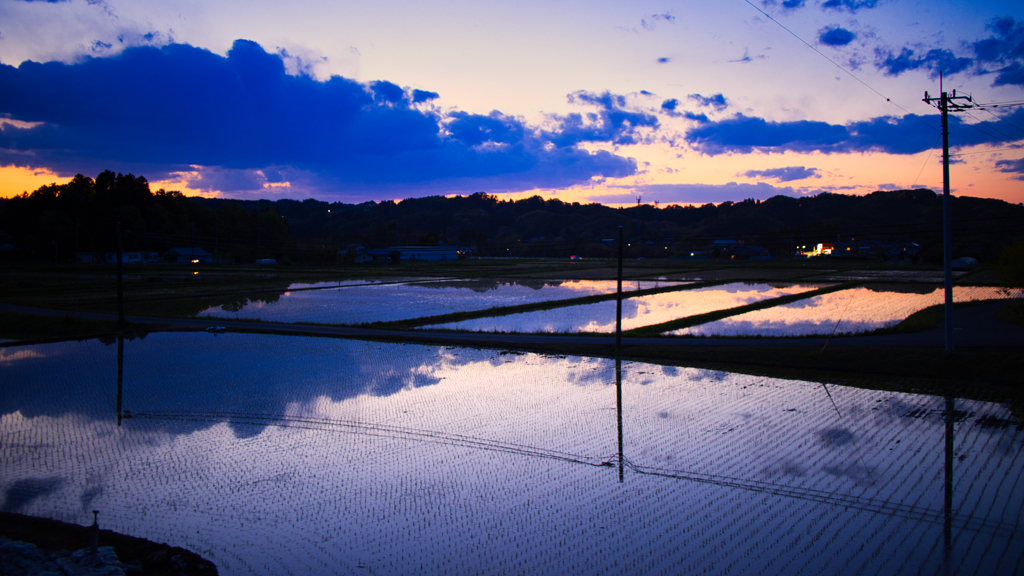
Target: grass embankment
[[15, 326], [144, 556], [1012, 314], [989, 375]]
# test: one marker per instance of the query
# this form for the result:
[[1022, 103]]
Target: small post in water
[[95, 532]]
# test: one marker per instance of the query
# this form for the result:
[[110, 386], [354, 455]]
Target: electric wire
[[926, 160], [837, 65]]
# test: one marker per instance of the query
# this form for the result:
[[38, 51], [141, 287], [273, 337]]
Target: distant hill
[[81, 215]]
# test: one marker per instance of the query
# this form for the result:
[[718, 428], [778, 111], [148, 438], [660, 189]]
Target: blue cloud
[[835, 36], [474, 129], [935, 60], [1004, 47], [158, 111], [664, 60], [611, 123], [787, 174], [1012, 167], [649, 23], [716, 101], [384, 91], [787, 5], [849, 5], [670, 104], [907, 135], [423, 96]]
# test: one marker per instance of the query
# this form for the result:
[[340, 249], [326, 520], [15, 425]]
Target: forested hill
[[81, 216]]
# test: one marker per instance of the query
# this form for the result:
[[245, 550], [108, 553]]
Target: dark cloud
[[1012, 167], [787, 174], [1001, 54], [423, 96], [384, 91], [716, 101], [935, 60], [786, 5], [907, 135], [696, 193], [650, 22], [850, 5], [1006, 48], [670, 104], [664, 60], [695, 116], [158, 111], [835, 36], [474, 129], [611, 123]]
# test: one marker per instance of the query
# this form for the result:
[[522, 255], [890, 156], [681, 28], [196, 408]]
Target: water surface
[[356, 303], [636, 312], [272, 455], [844, 312]]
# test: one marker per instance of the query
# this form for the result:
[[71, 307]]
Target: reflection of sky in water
[[856, 310], [341, 283], [270, 454], [636, 312], [358, 303]]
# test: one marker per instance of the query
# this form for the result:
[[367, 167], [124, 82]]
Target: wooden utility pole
[[946, 104]]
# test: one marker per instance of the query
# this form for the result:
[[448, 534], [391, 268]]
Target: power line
[[837, 65], [926, 160], [1011, 139], [987, 151], [992, 114]]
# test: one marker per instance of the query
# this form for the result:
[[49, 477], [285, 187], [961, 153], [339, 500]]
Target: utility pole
[[638, 219], [120, 282], [618, 302], [946, 104]]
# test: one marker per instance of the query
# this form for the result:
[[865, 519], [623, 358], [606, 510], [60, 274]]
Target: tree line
[[81, 216]]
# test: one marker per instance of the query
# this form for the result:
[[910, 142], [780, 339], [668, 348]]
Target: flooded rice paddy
[[361, 302], [844, 312], [636, 312], [273, 455]]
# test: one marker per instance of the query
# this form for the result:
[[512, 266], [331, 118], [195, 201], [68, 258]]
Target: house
[[427, 253], [126, 257], [355, 254], [194, 255]]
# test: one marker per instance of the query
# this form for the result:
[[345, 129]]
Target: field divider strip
[[532, 307], [696, 319]]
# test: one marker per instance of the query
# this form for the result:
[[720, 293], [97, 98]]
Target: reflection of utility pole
[[120, 372], [948, 507], [947, 103], [618, 411]]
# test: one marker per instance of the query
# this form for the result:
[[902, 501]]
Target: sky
[[675, 102]]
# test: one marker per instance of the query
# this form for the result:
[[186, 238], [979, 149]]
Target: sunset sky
[[671, 101]]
